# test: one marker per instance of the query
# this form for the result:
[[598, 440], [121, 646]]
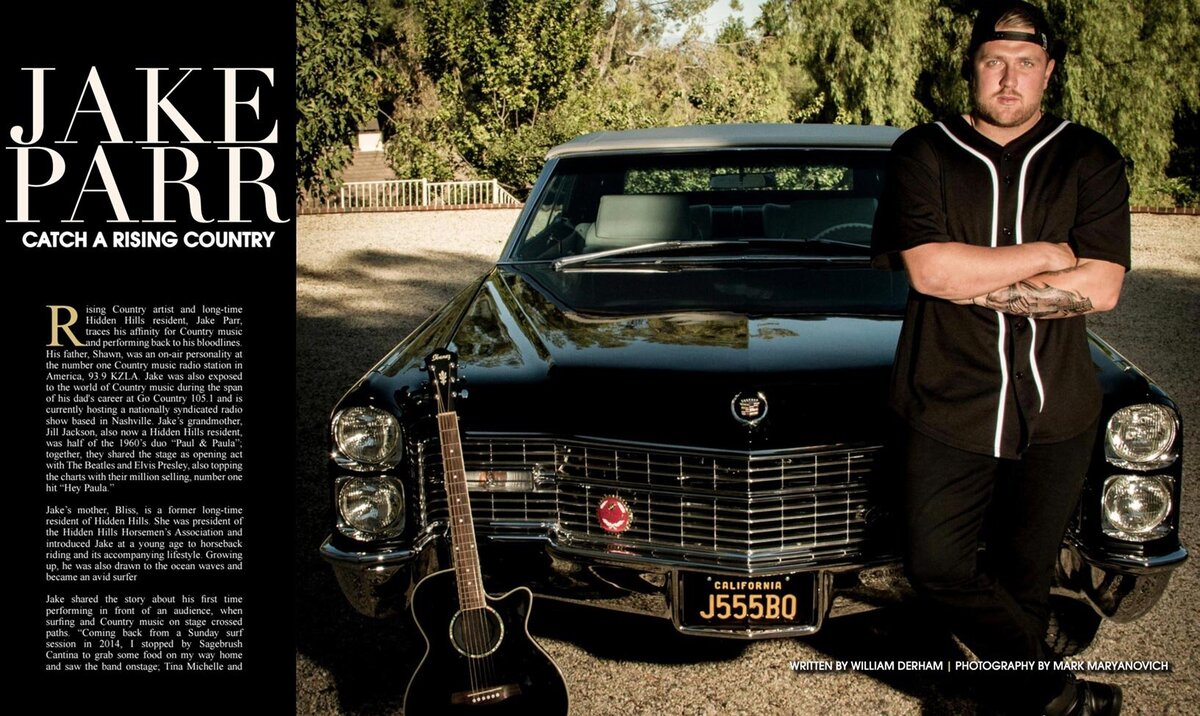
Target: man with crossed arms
[[1012, 224]]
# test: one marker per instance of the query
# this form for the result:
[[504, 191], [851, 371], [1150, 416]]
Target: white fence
[[420, 193]]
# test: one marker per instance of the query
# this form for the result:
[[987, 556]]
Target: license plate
[[741, 603]]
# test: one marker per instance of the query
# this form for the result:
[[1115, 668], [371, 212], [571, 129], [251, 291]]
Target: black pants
[[995, 601]]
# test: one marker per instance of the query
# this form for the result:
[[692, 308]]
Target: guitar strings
[[464, 617], [475, 629]]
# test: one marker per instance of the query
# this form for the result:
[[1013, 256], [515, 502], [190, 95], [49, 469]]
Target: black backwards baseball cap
[[1020, 13]]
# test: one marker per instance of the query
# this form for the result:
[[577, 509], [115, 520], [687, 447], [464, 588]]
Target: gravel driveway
[[364, 281]]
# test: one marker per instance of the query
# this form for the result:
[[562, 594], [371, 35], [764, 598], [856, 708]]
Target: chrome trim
[[632, 558], [1133, 563], [367, 559], [422, 487], [377, 582], [649, 589], [571, 583], [770, 510], [762, 137], [375, 558], [1120, 587], [1164, 461], [559, 264]]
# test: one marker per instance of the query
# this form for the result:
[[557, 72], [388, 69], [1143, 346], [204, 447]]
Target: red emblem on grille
[[614, 515]]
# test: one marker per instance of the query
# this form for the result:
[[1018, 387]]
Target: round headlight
[[1141, 436], [1135, 504], [371, 507], [368, 435]]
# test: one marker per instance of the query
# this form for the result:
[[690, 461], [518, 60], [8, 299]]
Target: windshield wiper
[[835, 242], [641, 248], [671, 246]]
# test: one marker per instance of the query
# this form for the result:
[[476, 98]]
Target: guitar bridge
[[492, 695]]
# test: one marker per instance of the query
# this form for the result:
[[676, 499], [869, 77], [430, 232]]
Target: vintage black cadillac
[[673, 403]]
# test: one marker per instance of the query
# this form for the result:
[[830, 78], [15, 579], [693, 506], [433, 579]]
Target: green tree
[[633, 28], [863, 55], [484, 87], [733, 32], [1130, 69], [499, 65], [772, 18], [1183, 173], [418, 135], [338, 85]]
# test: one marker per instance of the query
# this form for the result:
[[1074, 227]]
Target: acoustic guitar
[[479, 656]]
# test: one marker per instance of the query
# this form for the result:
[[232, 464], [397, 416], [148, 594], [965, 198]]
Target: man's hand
[[955, 271], [1091, 286]]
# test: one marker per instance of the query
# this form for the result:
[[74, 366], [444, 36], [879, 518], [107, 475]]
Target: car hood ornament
[[749, 407]]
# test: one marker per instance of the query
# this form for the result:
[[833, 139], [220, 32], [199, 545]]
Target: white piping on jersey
[[1037, 375], [991, 170], [1000, 332], [1024, 168]]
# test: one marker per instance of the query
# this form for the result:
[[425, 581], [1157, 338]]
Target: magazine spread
[[667, 455]]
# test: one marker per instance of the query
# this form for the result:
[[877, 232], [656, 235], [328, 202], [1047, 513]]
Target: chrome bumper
[[653, 590], [1118, 588], [378, 584]]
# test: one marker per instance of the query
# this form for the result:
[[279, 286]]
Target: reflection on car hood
[[660, 357]]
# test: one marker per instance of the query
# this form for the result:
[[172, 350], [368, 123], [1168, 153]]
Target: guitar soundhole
[[475, 633]]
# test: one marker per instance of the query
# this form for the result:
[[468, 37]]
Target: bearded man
[[1012, 224]]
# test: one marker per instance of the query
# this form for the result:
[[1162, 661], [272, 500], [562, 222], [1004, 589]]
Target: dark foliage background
[[481, 88]]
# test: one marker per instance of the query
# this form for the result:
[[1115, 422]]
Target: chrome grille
[[510, 514], [761, 510]]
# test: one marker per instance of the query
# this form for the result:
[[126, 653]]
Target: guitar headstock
[[442, 366]]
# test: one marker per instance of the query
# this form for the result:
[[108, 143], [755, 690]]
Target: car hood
[[668, 357]]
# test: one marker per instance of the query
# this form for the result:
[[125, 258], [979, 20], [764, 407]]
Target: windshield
[[764, 202]]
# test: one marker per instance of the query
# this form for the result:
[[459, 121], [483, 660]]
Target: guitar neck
[[462, 528]]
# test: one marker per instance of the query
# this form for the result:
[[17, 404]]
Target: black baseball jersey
[[973, 377]]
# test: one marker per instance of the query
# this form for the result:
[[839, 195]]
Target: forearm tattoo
[[1027, 298]]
